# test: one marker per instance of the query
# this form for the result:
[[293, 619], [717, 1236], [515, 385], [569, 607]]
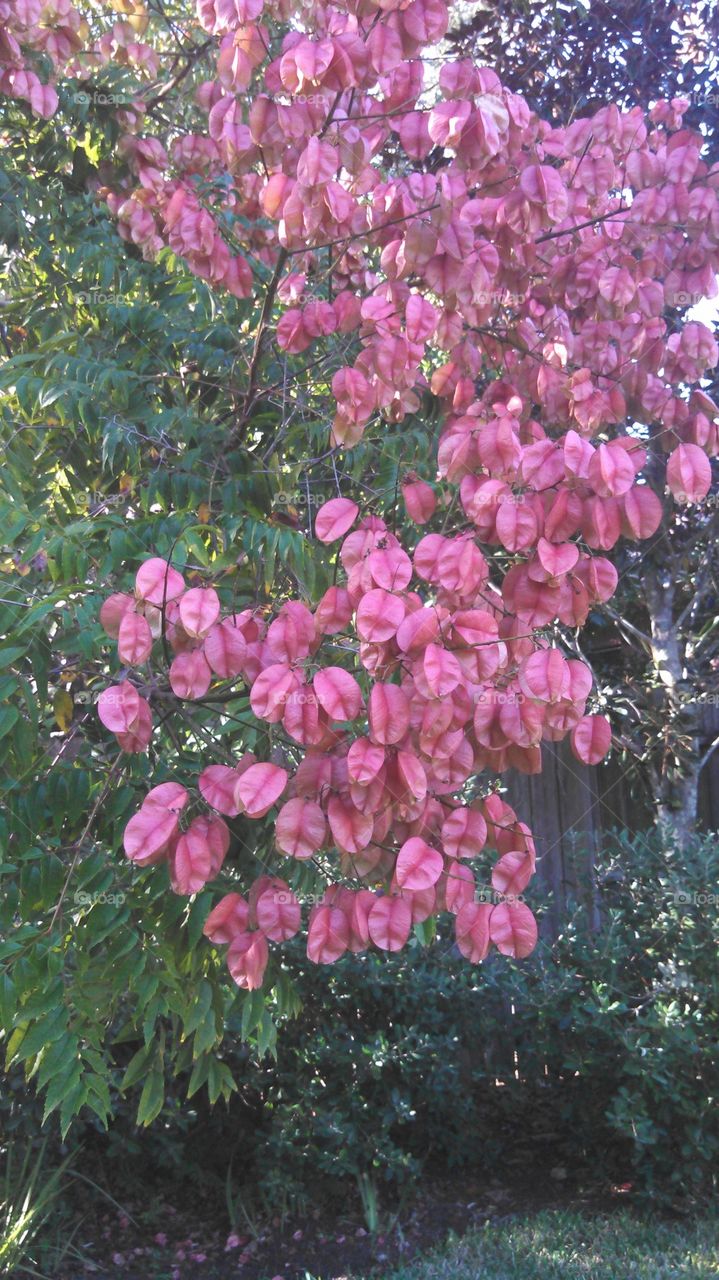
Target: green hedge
[[391, 1067]]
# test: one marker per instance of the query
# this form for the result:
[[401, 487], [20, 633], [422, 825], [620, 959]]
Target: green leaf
[[10, 654], [62, 1085], [152, 1097], [137, 1066], [41, 1033], [252, 1011], [9, 717]]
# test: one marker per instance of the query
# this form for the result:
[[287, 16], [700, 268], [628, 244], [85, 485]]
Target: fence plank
[[572, 808]]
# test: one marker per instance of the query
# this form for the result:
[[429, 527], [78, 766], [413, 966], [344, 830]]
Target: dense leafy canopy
[[303, 274]]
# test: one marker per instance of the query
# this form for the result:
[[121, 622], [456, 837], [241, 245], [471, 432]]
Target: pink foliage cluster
[[44, 40], [28, 29], [449, 678], [530, 277], [463, 234]]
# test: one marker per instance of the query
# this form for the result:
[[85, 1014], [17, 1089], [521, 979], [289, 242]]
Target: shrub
[[604, 1044], [598, 1053]]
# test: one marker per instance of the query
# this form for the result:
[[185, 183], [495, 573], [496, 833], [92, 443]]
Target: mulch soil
[[158, 1240]]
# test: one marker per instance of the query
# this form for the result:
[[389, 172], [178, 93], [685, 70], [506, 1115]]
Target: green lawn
[[557, 1245]]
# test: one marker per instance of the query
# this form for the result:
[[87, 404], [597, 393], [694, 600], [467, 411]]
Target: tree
[[568, 60], [409, 264]]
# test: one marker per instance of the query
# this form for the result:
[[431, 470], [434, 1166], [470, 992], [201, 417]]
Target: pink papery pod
[[338, 693], [441, 670], [464, 833], [199, 611], [611, 471], [379, 614], [247, 958], [272, 690], [422, 902], [389, 923], [420, 500], [591, 739], [458, 886], [134, 639], [225, 649], [599, 576], [419, 866], [149, 832], [556, 558], [190, 675], [389, 713], [512, 872], [292, 634], [113, 611], [278, 914], [364, 761], [446, 122], [334, 611], [689, 473], [418, 629], [198, 854], [390, 567], [300, 828], [138, 737], [641, 512], [545, 676], [357, 907], [516, 526], [157, 582], [328, 935], [335, 518], [218, 784], [259, 788], [472, 930], [513, 929], [356, 402], [228, 917], [411, 777], [301, 717], [421, 318], [351, 829], [118, 707]]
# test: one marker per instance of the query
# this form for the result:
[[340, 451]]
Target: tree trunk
[[679, 767]]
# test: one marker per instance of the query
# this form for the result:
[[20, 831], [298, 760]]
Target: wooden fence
[[573, 808]]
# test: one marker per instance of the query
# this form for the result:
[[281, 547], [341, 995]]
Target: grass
[[560, 1245], [28, 1192]]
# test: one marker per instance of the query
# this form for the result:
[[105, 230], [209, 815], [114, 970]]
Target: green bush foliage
[[597, 1056], [600, 1055]]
